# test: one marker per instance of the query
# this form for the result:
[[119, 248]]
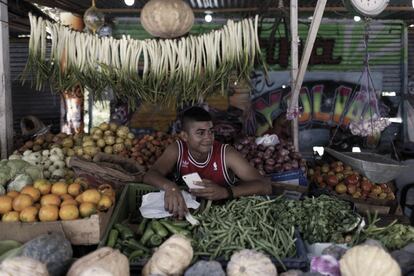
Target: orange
[[43, 185], [68, 212], [5, 204], [31, 191], [74, 189], [49, 213], [13, 194], [50, 199], [86, 209], [91, 195], [10, 216], [69, 202], [29, 214], [60, 188], [22, 201], [65, 197], [104, 203]]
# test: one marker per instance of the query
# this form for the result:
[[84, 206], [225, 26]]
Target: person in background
[[225, 173]]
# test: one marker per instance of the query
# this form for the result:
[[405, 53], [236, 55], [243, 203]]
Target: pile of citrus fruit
[[44, 201]]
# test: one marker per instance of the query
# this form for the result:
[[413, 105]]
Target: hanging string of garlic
[[150, 69]]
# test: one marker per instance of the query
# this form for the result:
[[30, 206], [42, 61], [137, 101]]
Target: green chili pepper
[[135, 254], [124, 231], [113, 236], [147, 235], [134, 245], [175, 230], [155, 240], [141, 227], [159, 229]]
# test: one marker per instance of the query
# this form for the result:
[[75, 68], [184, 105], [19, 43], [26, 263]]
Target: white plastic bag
[[267, 140], [152, 205]]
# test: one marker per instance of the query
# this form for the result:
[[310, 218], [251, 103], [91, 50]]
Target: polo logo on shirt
[[184, 164], [215, 166]]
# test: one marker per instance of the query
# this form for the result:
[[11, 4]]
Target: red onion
[[261, 147], [279, 159], [270, 162], [268, 169], [283, 152], [238, 147], [286, 158], [277, 167], [295, 164], [287, 167]]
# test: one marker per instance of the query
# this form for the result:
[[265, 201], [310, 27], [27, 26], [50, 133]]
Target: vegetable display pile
[[244, 223], [272, 159], [343, 180], [393, 236], [170, 71], [139, 243], [322, 219]]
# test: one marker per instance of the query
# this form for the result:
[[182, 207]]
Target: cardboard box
[[85, 231]]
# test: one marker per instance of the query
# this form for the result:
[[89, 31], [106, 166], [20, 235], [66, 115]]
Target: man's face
[[199, 136]]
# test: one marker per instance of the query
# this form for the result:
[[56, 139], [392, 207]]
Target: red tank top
[[214, 168]]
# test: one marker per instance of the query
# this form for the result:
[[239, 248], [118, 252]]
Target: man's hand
[[210, 190], [174, 202]]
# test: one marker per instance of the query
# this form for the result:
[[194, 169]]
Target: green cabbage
[[4, 175], [16, 166], [34, 172], [19, 183]]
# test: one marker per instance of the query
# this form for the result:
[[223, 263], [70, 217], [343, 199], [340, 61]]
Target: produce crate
[[292, 184], [363, 206], [131, 196], [86, 231]]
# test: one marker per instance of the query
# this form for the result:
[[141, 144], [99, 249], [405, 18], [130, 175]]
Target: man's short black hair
[[194, 114]]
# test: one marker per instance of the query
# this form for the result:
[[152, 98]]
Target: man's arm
[[251, 182], [156, 175], [173, 199]]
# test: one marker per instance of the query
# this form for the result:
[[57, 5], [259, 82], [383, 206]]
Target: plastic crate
[[127, 206]]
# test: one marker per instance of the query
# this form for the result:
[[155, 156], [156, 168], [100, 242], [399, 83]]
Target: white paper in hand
[[152, 205]]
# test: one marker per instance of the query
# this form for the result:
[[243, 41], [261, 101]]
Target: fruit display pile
[[44, 201], [147, 149], [342, 179]]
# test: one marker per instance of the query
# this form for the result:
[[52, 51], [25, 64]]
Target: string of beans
[[244, 223]]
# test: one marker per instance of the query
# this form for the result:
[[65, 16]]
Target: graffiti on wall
[[323, 103]]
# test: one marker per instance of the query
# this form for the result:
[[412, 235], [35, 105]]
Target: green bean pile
[[244, 223]]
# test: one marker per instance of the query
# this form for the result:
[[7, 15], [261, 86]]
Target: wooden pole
[[310, 40], [294, 63], [6, 111]]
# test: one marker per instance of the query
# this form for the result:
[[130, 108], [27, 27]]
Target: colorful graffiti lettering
[[326, 103]]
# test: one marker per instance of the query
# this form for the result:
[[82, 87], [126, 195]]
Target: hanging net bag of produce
[[370, 122]]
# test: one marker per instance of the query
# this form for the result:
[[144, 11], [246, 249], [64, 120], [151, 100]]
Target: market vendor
[[225, 173]]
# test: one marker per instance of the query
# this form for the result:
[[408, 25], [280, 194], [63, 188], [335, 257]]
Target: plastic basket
[[130, 198]]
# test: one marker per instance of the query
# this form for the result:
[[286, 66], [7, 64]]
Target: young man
[[225, 173]]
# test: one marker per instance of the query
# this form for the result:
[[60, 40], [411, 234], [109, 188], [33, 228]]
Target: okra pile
[[246, 223], [140, 242]]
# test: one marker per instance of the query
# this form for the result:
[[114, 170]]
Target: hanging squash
[[368, 260], [167, 18]]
